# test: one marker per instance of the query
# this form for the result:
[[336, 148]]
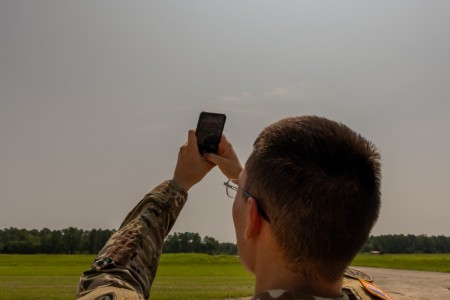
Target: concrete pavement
[[404, 284]]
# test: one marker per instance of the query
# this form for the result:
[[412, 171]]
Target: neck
[[272, 272], [285, 280]]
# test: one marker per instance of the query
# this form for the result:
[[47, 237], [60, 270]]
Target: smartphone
[[209, 131]]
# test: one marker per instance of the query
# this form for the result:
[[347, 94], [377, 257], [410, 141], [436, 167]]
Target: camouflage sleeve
[[130, 257]]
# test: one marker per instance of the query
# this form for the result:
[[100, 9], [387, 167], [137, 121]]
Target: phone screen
[[209, 131]]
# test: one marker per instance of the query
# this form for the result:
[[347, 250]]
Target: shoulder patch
[[357, 274], [107, 296], [375, 290]]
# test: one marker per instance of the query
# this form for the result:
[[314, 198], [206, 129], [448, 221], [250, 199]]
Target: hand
[[191, 167], [226, 159]]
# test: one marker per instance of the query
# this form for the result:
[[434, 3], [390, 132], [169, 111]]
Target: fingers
[[224, 144], [214, 158], [226, 160], [192, 139], [191, 167]]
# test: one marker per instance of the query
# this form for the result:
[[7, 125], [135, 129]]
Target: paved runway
[[402, 284]]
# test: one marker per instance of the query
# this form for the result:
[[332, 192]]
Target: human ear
[[254, 220]]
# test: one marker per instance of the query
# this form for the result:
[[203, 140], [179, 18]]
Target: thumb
[[192, 138], [214, 158]]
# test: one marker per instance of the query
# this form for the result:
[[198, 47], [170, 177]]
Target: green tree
[[46, 240], [72, 239], [228, 248], [211, 245]]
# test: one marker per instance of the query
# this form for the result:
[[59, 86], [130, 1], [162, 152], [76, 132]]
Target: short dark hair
[[319, 182]]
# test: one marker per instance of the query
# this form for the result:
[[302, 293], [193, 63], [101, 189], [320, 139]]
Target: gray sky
[[97, 96]]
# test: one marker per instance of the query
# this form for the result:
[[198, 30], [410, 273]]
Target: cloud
[[301, 91], [305, 92], [243, 97]]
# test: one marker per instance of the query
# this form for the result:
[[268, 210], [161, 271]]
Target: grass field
[[180, 276], [420, 262]]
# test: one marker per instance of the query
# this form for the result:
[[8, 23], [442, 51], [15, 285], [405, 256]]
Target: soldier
[[303, 207]]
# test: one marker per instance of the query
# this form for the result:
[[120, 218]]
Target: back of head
[[319, 182]]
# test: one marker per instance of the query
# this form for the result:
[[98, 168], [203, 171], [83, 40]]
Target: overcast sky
[[97, 96]]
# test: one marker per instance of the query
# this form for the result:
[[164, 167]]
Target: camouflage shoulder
[[111, 293], [358, 285]]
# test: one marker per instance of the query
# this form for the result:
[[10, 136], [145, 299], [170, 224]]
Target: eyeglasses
[[232, 190]]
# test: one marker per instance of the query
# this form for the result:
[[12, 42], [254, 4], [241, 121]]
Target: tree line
[[45, 241], [77, 241], [191, 242], [400, 243], [73, 240]]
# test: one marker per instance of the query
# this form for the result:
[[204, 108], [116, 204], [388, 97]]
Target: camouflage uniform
[[126, 266], [355, 286]]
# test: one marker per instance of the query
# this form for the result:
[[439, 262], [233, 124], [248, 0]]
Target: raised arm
[[126, 266]]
